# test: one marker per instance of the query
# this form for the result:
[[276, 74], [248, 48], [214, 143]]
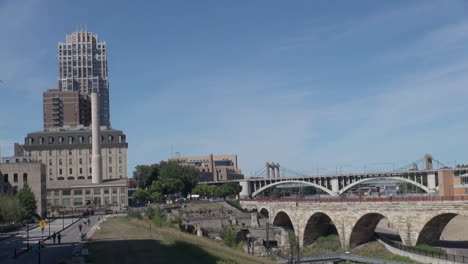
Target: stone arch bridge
[[418, 220]]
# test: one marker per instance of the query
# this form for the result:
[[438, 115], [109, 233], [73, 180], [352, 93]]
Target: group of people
[[57, 236], [80, 226]]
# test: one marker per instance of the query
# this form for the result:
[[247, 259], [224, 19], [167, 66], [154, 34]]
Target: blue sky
[[352, 84]]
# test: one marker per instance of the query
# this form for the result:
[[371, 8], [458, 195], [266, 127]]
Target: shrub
[[229, 236], [150, 212], [134, 214]]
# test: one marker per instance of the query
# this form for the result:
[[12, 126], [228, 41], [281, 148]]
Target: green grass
[[377, 250], [430, 249], [126, 240], [323, 245]]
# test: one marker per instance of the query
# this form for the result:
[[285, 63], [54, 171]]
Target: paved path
[[51, 253]]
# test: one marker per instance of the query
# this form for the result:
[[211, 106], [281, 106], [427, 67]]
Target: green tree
[[140, 195], [27, 201], [10, 208], [156, 196], [204, 189], [186, 175], [144, 175]]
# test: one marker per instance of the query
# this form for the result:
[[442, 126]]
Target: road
[[51, 253]]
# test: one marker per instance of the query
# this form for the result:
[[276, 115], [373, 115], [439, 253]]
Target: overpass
[[335, 185], [418, 220]]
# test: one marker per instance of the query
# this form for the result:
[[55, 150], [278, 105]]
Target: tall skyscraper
[[83, 68]]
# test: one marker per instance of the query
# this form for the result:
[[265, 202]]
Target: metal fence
[[363, 199], [433, 254]]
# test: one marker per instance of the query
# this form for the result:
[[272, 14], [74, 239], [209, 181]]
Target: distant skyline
[[350, 84]]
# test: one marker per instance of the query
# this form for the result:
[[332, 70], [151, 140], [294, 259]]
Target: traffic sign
[[42, 224]]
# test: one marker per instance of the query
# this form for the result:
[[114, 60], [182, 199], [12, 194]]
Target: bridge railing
[[361, 199], [428, 253]]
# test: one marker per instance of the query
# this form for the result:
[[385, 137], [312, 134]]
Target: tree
[[186, 175], [10, 208], [140, 195], [27, 201], [156, 196], [144, 175]]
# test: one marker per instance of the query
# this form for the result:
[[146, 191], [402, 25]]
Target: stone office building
[[17, 172], [212, 167], [67, 153], [67, 158]]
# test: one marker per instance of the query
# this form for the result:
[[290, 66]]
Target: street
[[50, 253]]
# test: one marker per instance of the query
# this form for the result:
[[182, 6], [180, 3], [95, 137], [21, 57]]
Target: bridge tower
[[272, 170]]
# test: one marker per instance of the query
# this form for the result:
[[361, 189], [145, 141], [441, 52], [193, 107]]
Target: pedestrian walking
[[89, 222], [59, 237], [53, 237], [80, 227]]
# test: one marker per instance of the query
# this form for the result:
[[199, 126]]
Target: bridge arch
[[319, 224], [264, 213], [283, 219], [432, 229], [291, 181], [417, 184], [364, 228]]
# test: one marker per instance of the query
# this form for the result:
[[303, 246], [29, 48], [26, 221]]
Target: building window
[[30, 141], [66, 192], [70, 161], [60, 162], [114, 200], [15, 177], [110, 160], [120, 159], [110, 138], [60, 140], [90, 140], [56, 201], [106, 200], [90, 151], [110, 151], [97, 191], [50, 172], [122, 200], [81, 171], [60, 178], [41, 140], [70, 171], [70, 178], [50, 152], [78, 201], [89, 160], [66, 201], [464, 180], [110, 169], [80, 161], [106, 191], [60, 171], [70, 140], [80, 152], [88, 191], [81, 139], [50, 162], [120, 169], [70, 152], [78, 192], [25, 178], [90, 170]]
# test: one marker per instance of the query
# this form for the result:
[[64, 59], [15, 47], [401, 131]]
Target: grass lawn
[[126, 240]]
